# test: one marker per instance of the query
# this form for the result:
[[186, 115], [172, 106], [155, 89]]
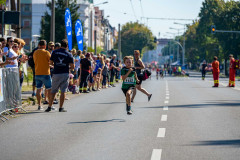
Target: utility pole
[[53, 22], [19, 23], [95, 42], [183, 56], [119, 42]]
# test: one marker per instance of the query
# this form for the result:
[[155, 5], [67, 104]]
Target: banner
[[68, 24], [79, 34]]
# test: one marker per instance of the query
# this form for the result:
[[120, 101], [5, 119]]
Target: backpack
[[30, 59], [146, 74]]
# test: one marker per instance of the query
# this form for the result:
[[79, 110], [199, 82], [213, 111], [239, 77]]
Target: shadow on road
[[198, 105], [235, 143], [110, 103], [103, 121]]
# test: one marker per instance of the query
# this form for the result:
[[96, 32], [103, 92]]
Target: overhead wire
[[133, 10]]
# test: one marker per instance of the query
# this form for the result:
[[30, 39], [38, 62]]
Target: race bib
[[129, 80]]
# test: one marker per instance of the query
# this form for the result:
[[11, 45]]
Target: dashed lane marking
[[161, 132], [164, 118], [156, 154], [166, 102]]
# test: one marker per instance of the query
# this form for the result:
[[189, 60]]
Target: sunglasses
[[11, 41], [15, 47]]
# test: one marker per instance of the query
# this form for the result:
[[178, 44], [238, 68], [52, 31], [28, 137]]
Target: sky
[[121, 11]]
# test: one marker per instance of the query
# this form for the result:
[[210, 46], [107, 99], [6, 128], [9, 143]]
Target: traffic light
[[213, 29]]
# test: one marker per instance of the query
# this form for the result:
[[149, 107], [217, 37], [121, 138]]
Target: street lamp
[[183, 57], [178, 39]]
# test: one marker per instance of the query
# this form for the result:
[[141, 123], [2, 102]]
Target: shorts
[[125, 90], [60, 81], [90, 78], [76, 75], [43, 80], [94, 73], [140, 80]]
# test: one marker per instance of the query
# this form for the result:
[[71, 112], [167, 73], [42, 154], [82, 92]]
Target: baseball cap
[[51, 43]]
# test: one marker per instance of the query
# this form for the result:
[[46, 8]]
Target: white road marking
[[167, 94], [166, 102], [156, 154], [161, 132], [164, 118], [165, 108]]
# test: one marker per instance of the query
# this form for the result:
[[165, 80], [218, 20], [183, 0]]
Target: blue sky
[[182, 9]]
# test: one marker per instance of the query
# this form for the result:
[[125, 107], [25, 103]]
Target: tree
[[136, 36], [60, 21], [2, 1]]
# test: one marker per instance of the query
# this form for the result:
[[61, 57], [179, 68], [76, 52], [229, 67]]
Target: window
[[26, 23], [26, 8]]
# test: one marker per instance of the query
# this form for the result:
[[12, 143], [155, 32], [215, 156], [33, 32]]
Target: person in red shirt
[[232, 71], [215, 71]]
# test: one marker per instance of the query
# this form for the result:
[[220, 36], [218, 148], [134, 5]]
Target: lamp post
[[177, 29], [183, 57], [174, 35]]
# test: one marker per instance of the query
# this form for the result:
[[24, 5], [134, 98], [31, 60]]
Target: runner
[[157, 72], [113, 70], [139, 65], [129, 78]]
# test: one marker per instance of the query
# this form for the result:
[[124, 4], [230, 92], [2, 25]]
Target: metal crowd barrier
[[10, 91]]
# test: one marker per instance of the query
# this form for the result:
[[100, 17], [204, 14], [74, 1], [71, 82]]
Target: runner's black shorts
[[126, 90], [140, 78]]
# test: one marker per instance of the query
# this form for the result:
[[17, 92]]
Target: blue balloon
[[68, 24], [79, 34]]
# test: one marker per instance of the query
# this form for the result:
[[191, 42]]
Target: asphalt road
[[186, 119]]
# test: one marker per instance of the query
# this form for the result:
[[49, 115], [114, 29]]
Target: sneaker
[[89, 90], [45, 102], [94, 89], [129, 112], [53, 108], [62, 110], [113, 85], [85, 91], [48, 109], [55, 102], [132, 101], [149, 97], [40, 108], [109, 86]]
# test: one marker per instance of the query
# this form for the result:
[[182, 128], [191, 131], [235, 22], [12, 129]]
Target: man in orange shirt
[[232, 71], [215, 71], [41, 59]]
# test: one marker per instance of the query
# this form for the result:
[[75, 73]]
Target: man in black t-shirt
[[112, 69], [62, 61], [85, 70], [204, 67]]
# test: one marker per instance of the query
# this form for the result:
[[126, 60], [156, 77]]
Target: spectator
[[85, 71], [41, 59], [57, 46], [11, 55], [50, 47], [62, 61]]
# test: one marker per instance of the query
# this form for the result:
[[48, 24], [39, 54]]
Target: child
[[98, 78], [129, 78]]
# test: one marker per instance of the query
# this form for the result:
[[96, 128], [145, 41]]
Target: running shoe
[[55, 102], [89, 90], [94, 89], [109, 86], [53, 108], [45, 102], [48, 109], [40, 108], [85, 91], [129, 112], [62, 110], [149, 97], [113, 85]]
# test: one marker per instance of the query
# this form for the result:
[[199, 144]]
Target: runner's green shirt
[[130, 81]]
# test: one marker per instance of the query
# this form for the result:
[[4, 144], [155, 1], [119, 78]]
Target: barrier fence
[[10, 91]]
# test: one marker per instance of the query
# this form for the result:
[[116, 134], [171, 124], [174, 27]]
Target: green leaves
[[136, 36]]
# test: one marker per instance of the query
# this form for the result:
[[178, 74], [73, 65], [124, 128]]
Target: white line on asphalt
[[165, 108], [164, 118], [156, 154], [167, 94], [161, 132], [166, 102]]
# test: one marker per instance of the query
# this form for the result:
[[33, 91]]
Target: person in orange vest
[[215, 71], [232, 71]]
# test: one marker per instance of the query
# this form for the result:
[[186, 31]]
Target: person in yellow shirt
[[41, 59]]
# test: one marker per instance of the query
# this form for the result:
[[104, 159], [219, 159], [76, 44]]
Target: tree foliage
[[60, 29], [201, 44], [136, 36]]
